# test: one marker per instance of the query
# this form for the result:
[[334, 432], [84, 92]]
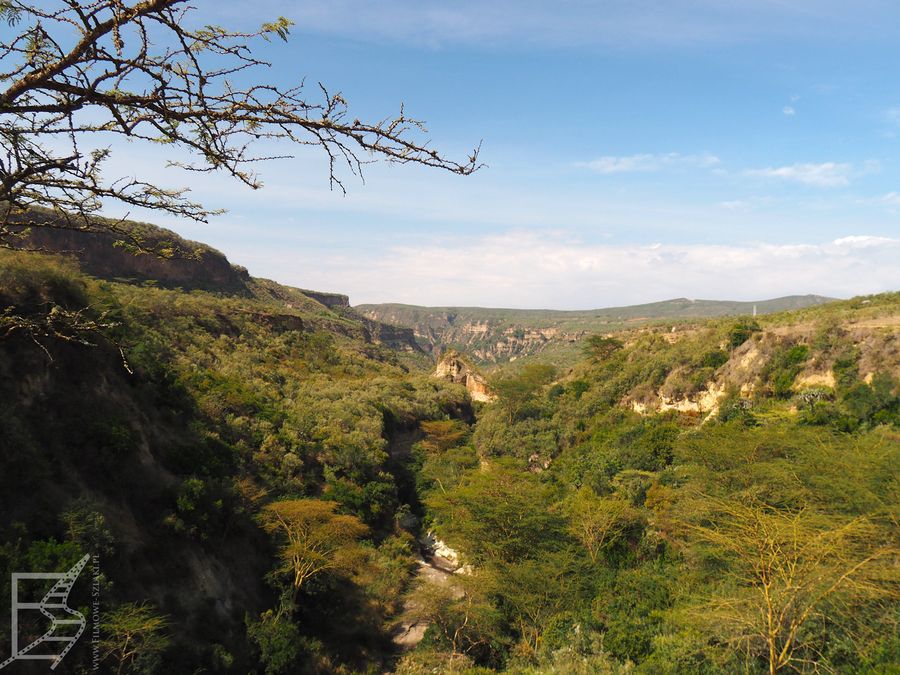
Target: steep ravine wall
[[877, 345]]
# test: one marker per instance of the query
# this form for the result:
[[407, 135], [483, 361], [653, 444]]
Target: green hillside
[[720, 499], [161, 458], [256, 473]]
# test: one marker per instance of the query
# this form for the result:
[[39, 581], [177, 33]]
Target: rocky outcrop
[[748, 369], [704, 402], [454, 368], [330, 300], [111, 256], [438, 567], [440, 554], [816, 379], [489, 340], [393, 337]]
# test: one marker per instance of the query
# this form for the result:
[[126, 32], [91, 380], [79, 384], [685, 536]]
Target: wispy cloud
[[538, 269], [610, 164], [735, 205], [748, 204], [824, 175], [890, 202], [789, 110]]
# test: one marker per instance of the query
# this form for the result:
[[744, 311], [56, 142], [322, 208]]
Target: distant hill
[[496, 335], [193, 266]]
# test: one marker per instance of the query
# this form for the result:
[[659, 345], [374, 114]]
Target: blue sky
[[636, 151]]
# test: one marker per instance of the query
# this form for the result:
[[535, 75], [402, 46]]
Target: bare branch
[[79, 74]]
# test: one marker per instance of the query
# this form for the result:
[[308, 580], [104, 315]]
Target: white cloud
[[826, 174], [891, 199], [864, 241], [536, 269], [610, 164], [380, 242], [789, 110]]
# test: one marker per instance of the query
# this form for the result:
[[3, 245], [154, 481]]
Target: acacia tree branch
[[61, 324], [82, 73]]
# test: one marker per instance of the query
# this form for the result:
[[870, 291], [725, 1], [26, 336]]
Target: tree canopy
[[313, 536], [76, 75]]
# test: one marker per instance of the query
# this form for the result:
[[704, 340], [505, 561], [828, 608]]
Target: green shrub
[[630, 610], [648, 446], [741, 331], [784, 368], [713, 359], [279, 643]]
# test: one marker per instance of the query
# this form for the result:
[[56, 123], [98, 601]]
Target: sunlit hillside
[[638, 510]]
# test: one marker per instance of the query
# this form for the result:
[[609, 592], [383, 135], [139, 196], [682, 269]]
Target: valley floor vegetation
[[255, 476]]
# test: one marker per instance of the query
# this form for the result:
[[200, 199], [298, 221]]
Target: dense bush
[[594, 538], [741, 331]]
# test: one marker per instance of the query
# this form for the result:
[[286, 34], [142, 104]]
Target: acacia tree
[[460, 616], [600, 348], [786, 569], [441, 435], [499, 515], [75, 75], [597, 522], [314, 539], [131, 633], [517, 393]]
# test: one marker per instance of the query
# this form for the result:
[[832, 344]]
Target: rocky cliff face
[[496, 341], [872, 345], [485, 340], [492, 336], [393, 337], [452, 367], [105, 255]]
